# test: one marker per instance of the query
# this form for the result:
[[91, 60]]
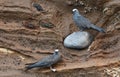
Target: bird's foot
[[54, 70], [81, 30]]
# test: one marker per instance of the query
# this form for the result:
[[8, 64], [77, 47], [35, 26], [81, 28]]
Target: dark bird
[[29, 25], [38, 7], [83, 23], [48, 61], [46, 24]]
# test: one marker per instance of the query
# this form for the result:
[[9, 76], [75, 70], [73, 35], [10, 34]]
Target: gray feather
[[83, 23], [46, 62]]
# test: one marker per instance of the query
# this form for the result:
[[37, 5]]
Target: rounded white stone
[[78, 40]]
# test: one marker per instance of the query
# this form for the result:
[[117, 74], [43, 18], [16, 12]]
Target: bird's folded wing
[[84, 21]]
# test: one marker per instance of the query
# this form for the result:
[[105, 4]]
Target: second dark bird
[[46, 62], [83, 23]]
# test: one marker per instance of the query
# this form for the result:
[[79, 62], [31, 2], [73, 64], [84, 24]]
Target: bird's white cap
[[74, 9], [56, 50]]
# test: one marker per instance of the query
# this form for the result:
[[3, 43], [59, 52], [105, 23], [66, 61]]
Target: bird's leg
[[81, 29], [54, 70]]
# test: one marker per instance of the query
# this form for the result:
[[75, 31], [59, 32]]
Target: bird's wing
[[84, 21], [51, 59], [45, 61], [48, 59]]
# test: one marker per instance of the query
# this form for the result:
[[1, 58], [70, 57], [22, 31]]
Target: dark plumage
[[46, 62], [38, 7], [83, 23], [29, 25]]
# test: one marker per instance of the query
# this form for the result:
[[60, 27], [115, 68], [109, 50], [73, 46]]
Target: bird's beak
[[72, 12]]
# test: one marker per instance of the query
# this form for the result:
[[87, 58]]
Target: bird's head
[[56, 51], [75, 11]]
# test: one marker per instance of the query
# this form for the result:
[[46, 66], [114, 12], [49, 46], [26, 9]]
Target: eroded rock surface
[[33, 44], [13, 8]]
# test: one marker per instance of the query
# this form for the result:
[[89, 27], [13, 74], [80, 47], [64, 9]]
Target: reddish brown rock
[[32, 45]]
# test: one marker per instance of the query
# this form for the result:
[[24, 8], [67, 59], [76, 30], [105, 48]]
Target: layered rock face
[[27, 35]]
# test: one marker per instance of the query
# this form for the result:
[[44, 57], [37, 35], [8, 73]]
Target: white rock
[[78, 40]]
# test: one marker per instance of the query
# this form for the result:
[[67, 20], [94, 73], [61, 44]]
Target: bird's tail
[[29, 67], [98, 28], [29, 63]]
